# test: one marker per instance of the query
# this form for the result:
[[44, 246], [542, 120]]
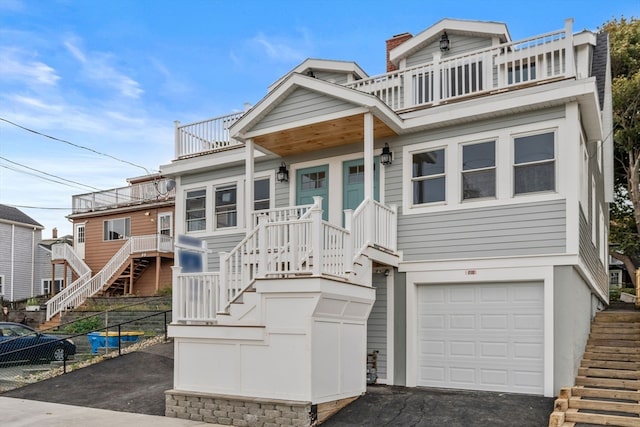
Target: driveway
[[136, 382]]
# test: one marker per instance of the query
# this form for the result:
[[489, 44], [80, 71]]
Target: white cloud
[[282, 49], [14, 65], [99, 67]]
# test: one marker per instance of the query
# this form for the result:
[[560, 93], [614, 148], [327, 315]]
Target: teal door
[[313, 182], [353, 182]]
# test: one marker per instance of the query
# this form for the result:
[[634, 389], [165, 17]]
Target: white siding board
[[300, 105], [221, 243], [459, 44]]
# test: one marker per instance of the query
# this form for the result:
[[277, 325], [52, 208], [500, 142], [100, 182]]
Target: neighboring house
[[55, 276], [465, 192], [21, 262], [618, 274], [122, 242]]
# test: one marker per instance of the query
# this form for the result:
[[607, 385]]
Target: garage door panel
[[482, 336]]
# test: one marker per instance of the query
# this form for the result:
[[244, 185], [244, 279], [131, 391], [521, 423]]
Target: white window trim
[[110, 220], [540, 131], [42, 288], [504, 169], [461, 170], [171, 227], [209, 187], [445, 174]]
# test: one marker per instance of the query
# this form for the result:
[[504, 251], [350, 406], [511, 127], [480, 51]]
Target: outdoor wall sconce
[[386, 158], [310, 74], [283, 174], [444, 42]]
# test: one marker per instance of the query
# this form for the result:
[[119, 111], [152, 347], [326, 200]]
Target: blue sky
[[113, 75]]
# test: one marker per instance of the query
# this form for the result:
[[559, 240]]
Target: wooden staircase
[[52, 323], [122, 282], [607, 390]]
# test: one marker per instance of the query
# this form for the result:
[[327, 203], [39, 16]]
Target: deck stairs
[[52, 323], [121, 283], [607, 390]]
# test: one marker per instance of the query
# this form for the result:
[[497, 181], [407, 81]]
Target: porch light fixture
[[386, 158], [310, 74], [283, 174], [444, 42]]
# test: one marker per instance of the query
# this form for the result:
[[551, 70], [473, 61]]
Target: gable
[[459, 44], [302, 104]]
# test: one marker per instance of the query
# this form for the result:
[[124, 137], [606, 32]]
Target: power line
[[39, 176], [36, 207], [46, 173], [75, 145]]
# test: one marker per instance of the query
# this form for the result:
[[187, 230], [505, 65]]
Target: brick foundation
[[236, 411]]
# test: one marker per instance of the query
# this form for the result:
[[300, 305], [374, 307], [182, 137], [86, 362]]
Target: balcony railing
[[135, 194], [205, 136], [548, 56]]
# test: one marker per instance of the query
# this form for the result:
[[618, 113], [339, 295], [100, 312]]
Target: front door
[[79, 240], [353, 182], [312, 182]]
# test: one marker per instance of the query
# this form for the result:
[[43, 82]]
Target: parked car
[[23, 343]]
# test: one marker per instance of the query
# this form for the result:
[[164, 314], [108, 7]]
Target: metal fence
[[28, 355]]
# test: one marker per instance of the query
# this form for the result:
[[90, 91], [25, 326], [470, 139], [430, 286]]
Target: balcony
[[545, 58], [135, 194]]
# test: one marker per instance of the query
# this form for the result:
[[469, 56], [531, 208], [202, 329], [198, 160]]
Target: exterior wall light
[[386, 158], [283, 174], [444, 42]]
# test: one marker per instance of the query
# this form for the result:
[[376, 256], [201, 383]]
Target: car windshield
[[15, 331]]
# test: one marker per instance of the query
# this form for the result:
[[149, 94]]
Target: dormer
[[464, 36], [338, 72]]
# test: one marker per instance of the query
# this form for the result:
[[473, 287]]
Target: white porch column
[[248, 184], [368, 156]]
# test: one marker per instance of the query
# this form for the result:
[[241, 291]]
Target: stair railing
[[65, 252], [87, 286]]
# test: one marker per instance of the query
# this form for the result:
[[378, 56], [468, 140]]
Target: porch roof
[[318, 132]]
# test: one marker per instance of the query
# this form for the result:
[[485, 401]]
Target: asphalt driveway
[[136, 382]]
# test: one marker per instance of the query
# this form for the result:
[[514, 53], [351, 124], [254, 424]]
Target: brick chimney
[[54, 233], [394, 42]]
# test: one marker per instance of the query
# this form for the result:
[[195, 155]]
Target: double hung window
[[226, 207], [534, 163], [195, 212], [428, 177], [479, 170], [117, 229]]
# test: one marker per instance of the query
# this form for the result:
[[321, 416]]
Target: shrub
[[83, 325]]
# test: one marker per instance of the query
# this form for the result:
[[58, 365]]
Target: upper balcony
[[158, 190], [444, 79]]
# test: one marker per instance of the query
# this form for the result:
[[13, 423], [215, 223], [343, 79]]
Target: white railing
[[86, 286], [196, 297], [548, 56], [373, 223], [205, 136], [64, 251], [280, 214], [134, 194]]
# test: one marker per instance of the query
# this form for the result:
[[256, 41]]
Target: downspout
[[13, 258], [33, 259]]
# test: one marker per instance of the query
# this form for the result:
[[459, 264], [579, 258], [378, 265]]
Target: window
[[261, 199], [226, 207], [428, 177], [46, 286], [165, 224], [479, 170], [313, 180], [80, 235], [534, 163], [196, 210], [116, 229], [615, 278]]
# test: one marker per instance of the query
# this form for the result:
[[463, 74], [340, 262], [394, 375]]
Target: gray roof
[[9, 213], [599, 63]]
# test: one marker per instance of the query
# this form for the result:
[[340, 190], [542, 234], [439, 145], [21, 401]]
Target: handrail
[[65, 252], [205, 135], [87, 286], [144, 192]]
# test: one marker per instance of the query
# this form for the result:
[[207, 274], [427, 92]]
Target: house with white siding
[[450, 215], [21, 259]]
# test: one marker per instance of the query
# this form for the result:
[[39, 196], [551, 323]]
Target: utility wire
[[40, 176], [37, 207], [48, 174], [75, 145]]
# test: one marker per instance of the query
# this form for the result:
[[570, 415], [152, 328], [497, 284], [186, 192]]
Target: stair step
[[609, 373], [614, 343], [573, 415], [616, 327], [610, 364], [592, 355], [622, 384], [610, 349], [617, 316], [601, 405], [606, 393], [617, 335]]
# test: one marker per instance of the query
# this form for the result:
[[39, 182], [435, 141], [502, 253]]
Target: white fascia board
[[241, 129], [324, 65], [432, 33], [583, 91], [584, 37], [22, 224], [490, 263], [206, 162]]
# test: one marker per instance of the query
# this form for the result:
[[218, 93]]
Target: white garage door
[[481, 337]]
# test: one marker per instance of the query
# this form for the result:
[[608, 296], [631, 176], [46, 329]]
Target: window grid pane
[[195, 210], [534, 163], [225, 210], [429, 177], [479, 176]]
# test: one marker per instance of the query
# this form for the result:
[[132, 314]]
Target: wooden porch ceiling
[[319, 136]]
